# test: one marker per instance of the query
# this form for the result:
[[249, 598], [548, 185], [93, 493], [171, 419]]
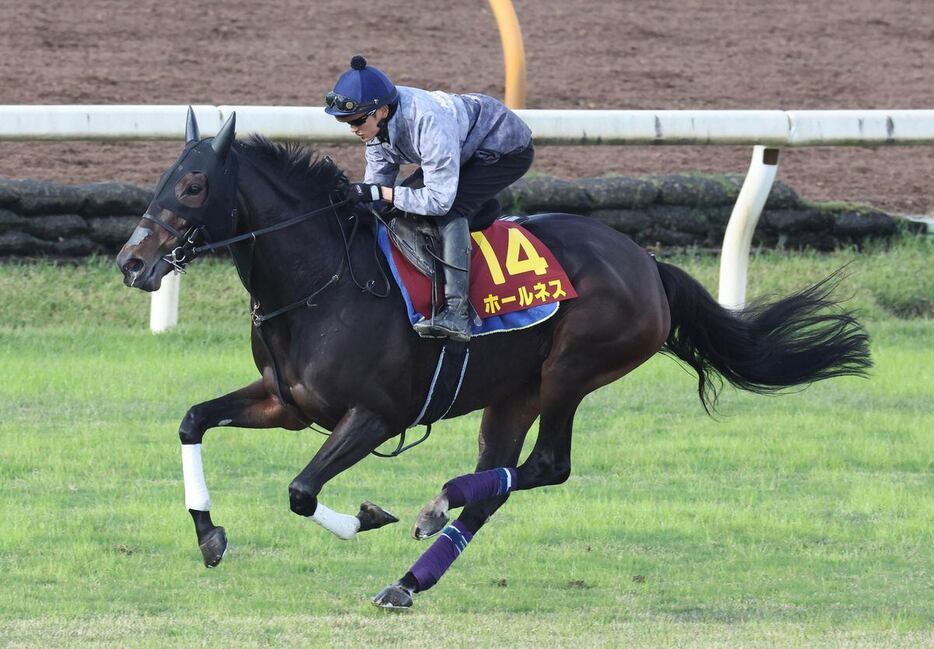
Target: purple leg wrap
[[474, 487], [438, 558]]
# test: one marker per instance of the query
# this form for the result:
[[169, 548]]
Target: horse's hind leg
[[482, 492], [248, 407], [502, 433], [559, 401], [566, 380], [549, 462], [576, 367]]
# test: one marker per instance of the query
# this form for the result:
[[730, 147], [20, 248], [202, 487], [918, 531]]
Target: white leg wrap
[[196, 491], [343, 526]]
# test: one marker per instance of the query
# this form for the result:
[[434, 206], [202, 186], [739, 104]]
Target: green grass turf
[[799, 520]]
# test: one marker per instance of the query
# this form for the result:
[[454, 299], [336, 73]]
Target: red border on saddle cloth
[[510, 270]]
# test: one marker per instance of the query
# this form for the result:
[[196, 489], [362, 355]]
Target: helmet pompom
[[358, 62]]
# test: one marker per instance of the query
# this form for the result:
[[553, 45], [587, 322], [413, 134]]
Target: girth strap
[[446, 382]]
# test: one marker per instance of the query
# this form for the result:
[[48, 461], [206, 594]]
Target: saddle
[[417, 238]]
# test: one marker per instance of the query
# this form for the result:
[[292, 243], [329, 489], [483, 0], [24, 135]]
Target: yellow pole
[[513, 51]]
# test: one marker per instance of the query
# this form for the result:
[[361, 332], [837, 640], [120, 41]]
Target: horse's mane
[[300, 167]]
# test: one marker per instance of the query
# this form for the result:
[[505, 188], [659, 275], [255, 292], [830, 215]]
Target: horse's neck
[[289, 264]]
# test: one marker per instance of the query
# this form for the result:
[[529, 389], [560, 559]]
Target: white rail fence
[[766, 130]]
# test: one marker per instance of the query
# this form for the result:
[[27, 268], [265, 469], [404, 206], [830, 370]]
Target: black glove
[[363, 193]]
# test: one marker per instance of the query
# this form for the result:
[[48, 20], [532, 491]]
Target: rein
[[183, 254], [270, 228]]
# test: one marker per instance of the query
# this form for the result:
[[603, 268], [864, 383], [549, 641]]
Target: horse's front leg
[[358, 433], [249, 407]]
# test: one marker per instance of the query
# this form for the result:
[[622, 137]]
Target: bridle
[[187, 249], [181, 254]]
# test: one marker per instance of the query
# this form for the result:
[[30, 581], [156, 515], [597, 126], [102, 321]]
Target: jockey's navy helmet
[[359, 90]]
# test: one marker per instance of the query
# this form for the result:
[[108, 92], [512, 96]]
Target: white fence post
[[163, 314], [734, 256]]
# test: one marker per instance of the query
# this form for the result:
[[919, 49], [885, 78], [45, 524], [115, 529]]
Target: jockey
[[469, 147]]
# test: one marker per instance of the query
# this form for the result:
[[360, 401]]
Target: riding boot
[[453, 321]]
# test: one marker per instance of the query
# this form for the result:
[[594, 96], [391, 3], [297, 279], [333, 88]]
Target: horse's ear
[[192, 134], [225, 136]]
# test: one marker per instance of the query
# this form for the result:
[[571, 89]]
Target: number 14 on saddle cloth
[[515, 280]]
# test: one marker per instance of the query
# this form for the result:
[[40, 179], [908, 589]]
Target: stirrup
[[425, 329], [441, 327]]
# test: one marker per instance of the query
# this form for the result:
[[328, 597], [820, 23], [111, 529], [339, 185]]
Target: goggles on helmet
[[348, 105]]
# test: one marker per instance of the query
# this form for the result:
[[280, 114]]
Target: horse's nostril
[[133, 266]]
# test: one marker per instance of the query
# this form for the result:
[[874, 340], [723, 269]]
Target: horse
[[338, 352]]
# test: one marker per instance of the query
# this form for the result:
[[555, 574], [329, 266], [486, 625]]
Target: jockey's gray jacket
[[440, 131]]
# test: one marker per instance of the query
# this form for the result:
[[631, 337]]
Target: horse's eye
[[194, 188]]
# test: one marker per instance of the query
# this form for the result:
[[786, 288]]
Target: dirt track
[[585, 54]]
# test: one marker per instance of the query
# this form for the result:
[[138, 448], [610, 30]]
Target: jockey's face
[[369, 127]]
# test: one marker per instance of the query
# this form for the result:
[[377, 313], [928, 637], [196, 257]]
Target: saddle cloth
[[515, 281]]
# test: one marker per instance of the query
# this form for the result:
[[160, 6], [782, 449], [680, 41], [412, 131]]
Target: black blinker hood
[[215, 217]]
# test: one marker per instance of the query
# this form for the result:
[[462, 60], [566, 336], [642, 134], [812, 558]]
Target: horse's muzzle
[[138, 274]]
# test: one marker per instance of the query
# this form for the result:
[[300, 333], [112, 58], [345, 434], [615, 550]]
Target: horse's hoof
[[372, 517], [432, 518], [394, 596], [213, 547]]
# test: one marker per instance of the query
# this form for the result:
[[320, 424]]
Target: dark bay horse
[[335, 349]]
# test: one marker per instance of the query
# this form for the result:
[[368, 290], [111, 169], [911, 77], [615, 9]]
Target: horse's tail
[[767, 346]]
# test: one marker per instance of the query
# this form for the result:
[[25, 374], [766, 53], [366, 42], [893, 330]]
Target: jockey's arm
[[379, 171], [439, 150]]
